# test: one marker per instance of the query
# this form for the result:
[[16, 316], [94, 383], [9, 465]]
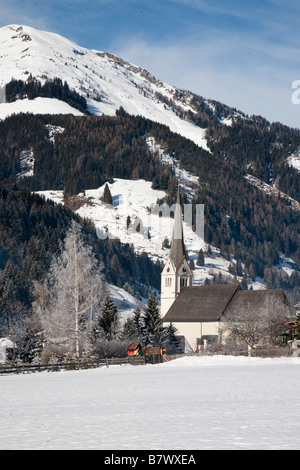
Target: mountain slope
[[106, 81]]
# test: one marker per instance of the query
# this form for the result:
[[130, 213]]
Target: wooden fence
[[133, 360], [76, 365]]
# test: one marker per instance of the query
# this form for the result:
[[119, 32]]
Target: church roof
[[177, 252], [254, 300], [201, 303]]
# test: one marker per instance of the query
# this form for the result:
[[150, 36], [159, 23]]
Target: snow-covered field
[[192, 403]]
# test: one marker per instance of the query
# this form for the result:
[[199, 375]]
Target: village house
[[197, 312]]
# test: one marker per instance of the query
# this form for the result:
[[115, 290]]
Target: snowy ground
[[37, 106], [190, 403]]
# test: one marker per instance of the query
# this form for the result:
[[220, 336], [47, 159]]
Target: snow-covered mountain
[[107, 82]]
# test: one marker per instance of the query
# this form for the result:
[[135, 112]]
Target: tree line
[[33, 88]]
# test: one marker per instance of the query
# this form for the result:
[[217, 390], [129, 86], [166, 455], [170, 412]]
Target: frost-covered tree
[[70, 295], [261, 325]]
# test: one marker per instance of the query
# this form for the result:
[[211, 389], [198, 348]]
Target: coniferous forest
[[239, 218]]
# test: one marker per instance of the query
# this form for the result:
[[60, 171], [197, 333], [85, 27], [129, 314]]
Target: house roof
[[132, 346], [254, 300], [201, 303]]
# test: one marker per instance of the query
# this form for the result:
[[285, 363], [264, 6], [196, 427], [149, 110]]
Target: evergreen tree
[[172, 343], [200, 258], [129, 331], [128, 222], [152, 322], [108, 319], [138, 321], [192, 264], [166, 243], [107, 197]]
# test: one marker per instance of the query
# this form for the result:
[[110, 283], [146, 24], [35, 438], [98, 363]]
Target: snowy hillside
[[107, 82], [38, 105], [195, 403], [137, 200]]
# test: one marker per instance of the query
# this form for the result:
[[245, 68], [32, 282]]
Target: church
[[197, 311]]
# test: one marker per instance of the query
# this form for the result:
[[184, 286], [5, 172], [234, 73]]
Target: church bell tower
[[176, 273]]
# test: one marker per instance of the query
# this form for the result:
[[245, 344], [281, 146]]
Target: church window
[[168, 282]]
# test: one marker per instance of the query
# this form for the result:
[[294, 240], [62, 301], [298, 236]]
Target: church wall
[[193, 331], [165, 304]]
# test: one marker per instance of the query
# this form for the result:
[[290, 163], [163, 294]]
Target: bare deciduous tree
[[72, 293], [260, 324]]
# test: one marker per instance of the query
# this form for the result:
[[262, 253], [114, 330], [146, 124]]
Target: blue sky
[[243, 53]]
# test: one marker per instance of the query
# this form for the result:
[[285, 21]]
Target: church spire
[[177, 252], [176, 273]]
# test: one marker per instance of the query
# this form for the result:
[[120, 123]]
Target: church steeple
[[176, 273], [177, 252]]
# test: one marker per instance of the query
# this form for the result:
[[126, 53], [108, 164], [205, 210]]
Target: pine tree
[[152, 322], [138, 321], [192, 264], [172, 343], [107, 197], [200, 259], [108, 319], [166, 243], [129, 331]]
